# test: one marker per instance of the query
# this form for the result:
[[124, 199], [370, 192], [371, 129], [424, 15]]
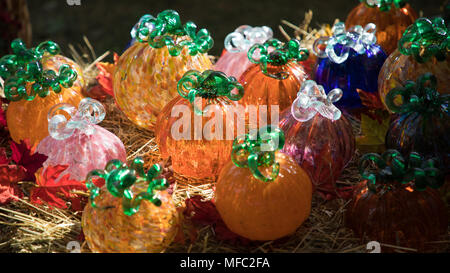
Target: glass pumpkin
[[391, 22], [194, 130], [351, 60], [390, 212], [27, 112], [113, 222], [271, 84], [147, 73], [318, 137], [405, 64], [79, 142], [422, 122], [260, 194], [234, 60]]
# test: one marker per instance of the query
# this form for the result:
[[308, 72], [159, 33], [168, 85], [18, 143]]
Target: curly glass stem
[[119, 179], [391, 167], [89, 112], [246, 36], [25, 67], [257, 149], [276, 53], [209, 84], [311, 99], [384, 5], [420, 96], [426, 38], [357, 38], [166, 28]]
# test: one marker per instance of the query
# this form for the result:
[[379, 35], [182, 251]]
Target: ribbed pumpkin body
[[322, 147], [197, 154], [233, 63], [150, 230], [262, 92], [359, 71], [28, 119], [401, 216], [413, 132], [400, 68], [260, 210], [390, 24], [81, 152], [145, 80]]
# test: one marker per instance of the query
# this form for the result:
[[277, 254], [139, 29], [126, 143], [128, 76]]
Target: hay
[[28, 228]]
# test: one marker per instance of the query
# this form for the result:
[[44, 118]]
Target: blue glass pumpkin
[[349, 61]]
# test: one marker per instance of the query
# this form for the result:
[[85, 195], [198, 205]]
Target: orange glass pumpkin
[[390, 23], [404, 64], [148, 227], [391, 209], [195, 130], [27, 119], [267, 202], [272, 83], [147, 73]]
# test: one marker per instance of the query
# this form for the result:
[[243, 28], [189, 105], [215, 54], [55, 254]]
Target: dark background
[[107, 24]]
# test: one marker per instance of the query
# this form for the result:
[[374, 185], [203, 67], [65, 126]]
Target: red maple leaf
[[56, 193], [9, 176], [370, 100], [23, 154], [104, 77], [205, 213]]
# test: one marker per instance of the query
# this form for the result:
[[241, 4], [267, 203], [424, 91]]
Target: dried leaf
[[55, 194], [23, 154], [373, 134], [9, 176], [370, 100]]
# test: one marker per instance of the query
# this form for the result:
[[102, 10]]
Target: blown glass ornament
[[132, 212], [262, 194], [272, 82], [423, 121], [422, 49], [397, 202], [234, 60], [195, 129], [79, 142], [35, 80], [390, 17], [318, 137], [351, 60], [147, 73]]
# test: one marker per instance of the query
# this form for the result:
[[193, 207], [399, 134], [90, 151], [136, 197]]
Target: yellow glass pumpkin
[[140, 221], [147, 73]]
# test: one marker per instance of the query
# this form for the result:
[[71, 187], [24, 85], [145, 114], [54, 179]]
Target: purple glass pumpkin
[[318, 136]]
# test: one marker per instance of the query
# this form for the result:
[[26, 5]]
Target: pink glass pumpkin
[[78, 142], [234, 60], [318, 136]]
